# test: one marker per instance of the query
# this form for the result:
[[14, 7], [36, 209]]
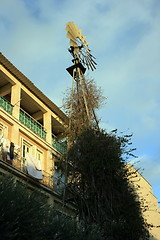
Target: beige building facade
[[149, 203], [31, 130]]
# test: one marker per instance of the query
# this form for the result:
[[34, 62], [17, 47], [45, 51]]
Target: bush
[[26, 215]]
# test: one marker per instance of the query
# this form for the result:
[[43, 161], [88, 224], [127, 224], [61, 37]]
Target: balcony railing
[[7, 106], [60, 146], [32, 124], [20, 163], [58, 185], [48, 180]]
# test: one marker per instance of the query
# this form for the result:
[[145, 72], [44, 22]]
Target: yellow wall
[[149, 203], [16, 130]]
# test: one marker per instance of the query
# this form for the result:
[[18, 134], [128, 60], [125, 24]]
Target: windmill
[[82, 59]]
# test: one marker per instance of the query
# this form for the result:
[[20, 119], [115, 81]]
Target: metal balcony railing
[[48, 180], [6, 105], [58, 185], [60, 146], [32, 124]]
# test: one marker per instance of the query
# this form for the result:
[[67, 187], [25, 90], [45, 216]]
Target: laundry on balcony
[[33, 167], [6, 145], [11, 151], [7, 150]]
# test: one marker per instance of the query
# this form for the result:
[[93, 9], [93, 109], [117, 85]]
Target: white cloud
[[123, 35]]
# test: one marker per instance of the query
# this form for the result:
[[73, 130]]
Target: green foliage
[[99, 185], [25, 215], [20, 213]]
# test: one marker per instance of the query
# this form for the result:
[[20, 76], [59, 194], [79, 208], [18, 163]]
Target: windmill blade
[[70, 36], [84, 60], [94, 63], [82, 37], [73, 29], [80, 33], [69, 29], [90, 63], [91, 57], [90, 54], [87, 59], [73, 43], [76, 50]]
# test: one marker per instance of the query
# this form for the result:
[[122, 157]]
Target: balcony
[[7, 106], [32, 124], [48, 180], [60, 146]]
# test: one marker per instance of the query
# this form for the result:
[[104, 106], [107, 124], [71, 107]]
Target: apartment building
[[31, 134], [149, 203]]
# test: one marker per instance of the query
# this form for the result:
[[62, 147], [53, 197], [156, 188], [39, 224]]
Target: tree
[[25, 214], [99, 185]]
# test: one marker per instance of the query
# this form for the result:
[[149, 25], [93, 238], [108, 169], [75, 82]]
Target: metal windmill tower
[[82, 59]]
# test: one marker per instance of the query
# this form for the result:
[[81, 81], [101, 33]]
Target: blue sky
[[124, 36]]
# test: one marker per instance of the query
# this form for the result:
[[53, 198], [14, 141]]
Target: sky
[[123, 35]]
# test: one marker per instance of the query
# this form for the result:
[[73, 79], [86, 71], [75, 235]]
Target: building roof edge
[[30, 85]]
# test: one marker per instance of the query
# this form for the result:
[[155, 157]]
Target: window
[[39, 155], [26, 148], [3, 130]]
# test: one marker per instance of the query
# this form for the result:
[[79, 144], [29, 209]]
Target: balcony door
[[26, 148]]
